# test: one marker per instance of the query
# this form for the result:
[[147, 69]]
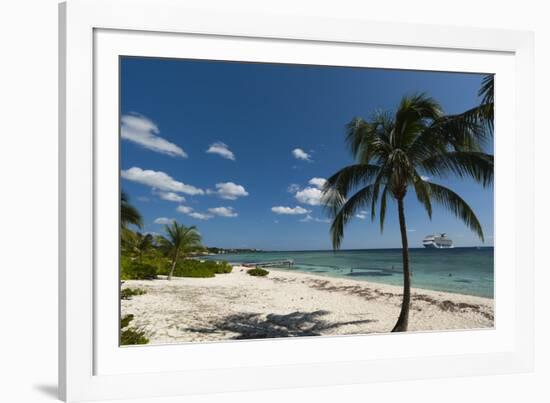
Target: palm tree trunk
[[173, 267], [403, 320]]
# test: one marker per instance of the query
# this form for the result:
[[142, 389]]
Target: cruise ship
[[438, 242]]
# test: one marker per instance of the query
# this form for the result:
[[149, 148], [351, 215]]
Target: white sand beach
[[285, 303]]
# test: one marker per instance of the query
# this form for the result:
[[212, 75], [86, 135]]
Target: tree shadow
[[257, 326]]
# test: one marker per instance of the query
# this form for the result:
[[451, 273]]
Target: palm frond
[[128, 213], [358, 201], [411, 117], [338, 186], [455, 204], [368, 140], [477, 165], [422, 190], [487, 90]]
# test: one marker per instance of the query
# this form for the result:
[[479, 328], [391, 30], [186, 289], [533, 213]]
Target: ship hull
[[435, 246]]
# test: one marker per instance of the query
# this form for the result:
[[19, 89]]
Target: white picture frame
[[92, 366]]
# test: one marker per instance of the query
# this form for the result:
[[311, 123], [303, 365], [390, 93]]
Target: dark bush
[[131, 336], [128, 293], [133, 270], [222, 267], [125, 321], [193, 272], [196, 268], [258, 272]]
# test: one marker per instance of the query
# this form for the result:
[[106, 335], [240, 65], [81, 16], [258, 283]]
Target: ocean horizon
[[462, 270]]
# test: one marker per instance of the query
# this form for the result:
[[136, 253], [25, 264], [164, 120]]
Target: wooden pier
[[272, 263]]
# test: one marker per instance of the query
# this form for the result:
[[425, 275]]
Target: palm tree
[[128, 213], [392, 153], [138, 243], [180, 241]]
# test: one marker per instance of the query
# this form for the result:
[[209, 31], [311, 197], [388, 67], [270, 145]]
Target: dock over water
[[273, 263]]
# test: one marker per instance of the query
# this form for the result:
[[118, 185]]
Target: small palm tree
[[392, 152], [128, 213], [138, 244], [180, 240]]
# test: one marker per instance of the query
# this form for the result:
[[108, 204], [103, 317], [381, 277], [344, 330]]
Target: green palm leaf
[[477, 165], [355, 203], [454, 203], [128, 213]]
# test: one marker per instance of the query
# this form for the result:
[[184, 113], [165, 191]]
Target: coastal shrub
[[125, 320], [222, 267], [131, 336], [194, 271], [258, 272], [196, 268], [128, 293], [134, 270]]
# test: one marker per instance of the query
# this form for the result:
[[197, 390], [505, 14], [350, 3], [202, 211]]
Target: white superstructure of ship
[[438, 241]]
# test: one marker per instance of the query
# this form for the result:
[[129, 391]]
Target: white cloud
[[300, 154], [143, 131], [200, 216], [159, 180], [223, 211], [293, 188], [290, 210], [309, 218], [309, 195], [228, 191], [222, 150], [184, 209], [317, 182], [425, 178], [164, 220], [361, 214], [170, 196]]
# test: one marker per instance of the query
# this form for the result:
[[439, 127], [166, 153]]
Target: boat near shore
[[438, 242]]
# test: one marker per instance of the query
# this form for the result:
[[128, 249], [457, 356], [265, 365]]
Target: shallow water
[[459, 270]]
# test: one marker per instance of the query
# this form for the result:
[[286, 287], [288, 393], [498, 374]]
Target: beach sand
[[240, 306]]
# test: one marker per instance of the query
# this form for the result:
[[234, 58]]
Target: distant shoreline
[[353, 250]]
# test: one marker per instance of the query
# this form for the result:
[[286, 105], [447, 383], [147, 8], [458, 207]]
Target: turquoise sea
[[458, 270]]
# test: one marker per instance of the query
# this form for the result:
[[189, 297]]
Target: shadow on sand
[[256, 326]]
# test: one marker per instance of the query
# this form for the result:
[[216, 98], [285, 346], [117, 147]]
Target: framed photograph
[[259, 201]]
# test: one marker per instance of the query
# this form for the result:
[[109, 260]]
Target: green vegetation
[[128, 213], [258, 272], [134, 270], [144, 256], [125, 321], [128, 293], [131, 336], [180, 241], [394, 154], [195, 268]]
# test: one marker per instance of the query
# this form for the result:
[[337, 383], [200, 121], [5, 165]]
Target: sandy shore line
[[240, 306]]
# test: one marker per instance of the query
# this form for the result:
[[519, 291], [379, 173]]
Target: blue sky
[[239, 149]]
